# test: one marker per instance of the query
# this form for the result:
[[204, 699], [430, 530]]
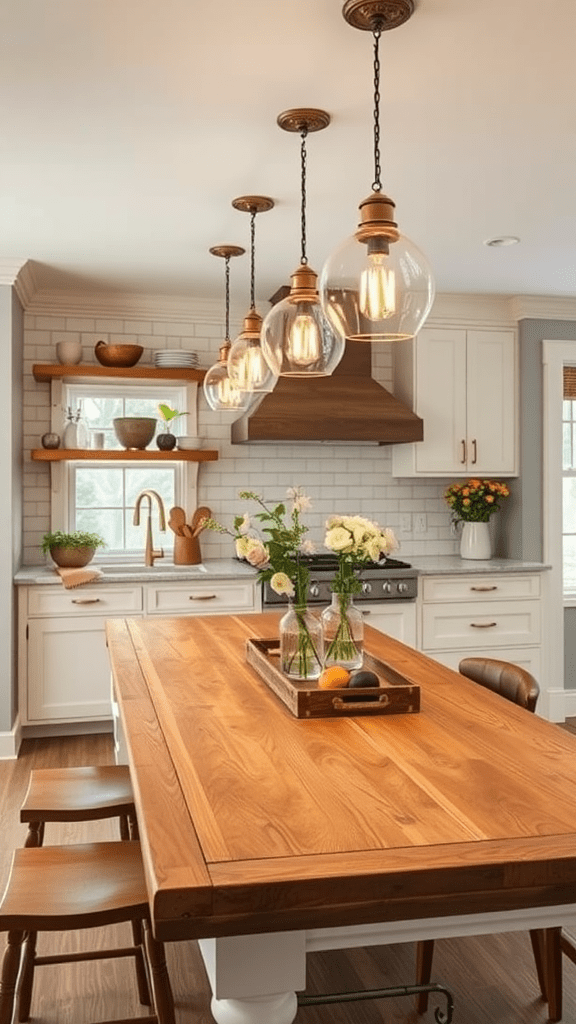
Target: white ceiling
[[128, 126]]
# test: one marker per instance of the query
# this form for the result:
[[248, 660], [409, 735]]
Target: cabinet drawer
[[526, 657], [201, 598], [480, 588], [97, 600], [468, 627]]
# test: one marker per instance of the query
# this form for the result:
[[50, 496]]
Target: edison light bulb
[[304, 341], [377, 293]]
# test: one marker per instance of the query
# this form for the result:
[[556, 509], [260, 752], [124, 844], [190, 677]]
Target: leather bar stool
[[520, 687], [60, 888], [78, 794]]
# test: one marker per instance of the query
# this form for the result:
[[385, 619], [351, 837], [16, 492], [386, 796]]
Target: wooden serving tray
[[395, 696]]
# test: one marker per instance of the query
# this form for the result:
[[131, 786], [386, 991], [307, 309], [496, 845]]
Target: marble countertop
[[162, 573], [448, 565], [426, 565]]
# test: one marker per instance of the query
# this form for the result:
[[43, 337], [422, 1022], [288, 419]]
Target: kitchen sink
[[153, 570]]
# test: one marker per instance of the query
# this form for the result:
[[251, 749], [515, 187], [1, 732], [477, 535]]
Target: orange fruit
[[334, 678]]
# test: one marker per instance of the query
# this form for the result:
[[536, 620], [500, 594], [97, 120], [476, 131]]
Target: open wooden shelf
[[44, 373], [111, 455]]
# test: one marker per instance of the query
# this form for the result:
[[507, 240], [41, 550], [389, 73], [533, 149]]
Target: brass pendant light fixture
[[297, 339], [223, 394], [247, 366], [377, 286]]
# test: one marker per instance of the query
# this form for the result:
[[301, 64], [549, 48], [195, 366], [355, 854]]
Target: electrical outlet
[[420, 525], [406, 522]]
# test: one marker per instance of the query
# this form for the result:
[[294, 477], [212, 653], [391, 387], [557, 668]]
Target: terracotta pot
[[134, 431], [71, 558]]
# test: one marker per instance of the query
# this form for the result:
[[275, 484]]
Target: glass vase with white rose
[[354, 540], [278, 559]]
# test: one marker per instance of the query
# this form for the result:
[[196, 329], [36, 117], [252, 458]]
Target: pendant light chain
[[303, 136], [227, 338], [252, 257], [377, 184]]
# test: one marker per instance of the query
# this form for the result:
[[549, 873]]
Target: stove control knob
[[314, 589], [402, 588], [387, 588], [366, 587]]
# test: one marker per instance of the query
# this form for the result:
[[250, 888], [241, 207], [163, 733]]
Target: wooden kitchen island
[[266, 836]]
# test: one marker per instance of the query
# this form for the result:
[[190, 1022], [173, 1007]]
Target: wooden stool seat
[[78, 794], [58, 888]]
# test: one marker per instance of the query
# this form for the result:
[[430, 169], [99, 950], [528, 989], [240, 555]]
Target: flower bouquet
[[278, 560], [474, 501], [353, 540]]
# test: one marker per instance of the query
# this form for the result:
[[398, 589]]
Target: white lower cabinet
[[395, 618], [492, 616], [64, 669], [63, 666]]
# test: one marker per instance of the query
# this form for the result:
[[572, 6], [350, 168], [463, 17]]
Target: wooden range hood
[[345, 407]]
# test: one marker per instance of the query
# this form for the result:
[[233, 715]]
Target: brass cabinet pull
[[475, 452], [202, 597], [483, 625], [85, 600], [463, 443], [483, 590]]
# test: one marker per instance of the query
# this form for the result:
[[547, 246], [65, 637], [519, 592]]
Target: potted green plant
[[166, 440], [71, 550]]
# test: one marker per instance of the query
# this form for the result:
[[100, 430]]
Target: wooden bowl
[[117, 355], [71, 558], [134, 431]]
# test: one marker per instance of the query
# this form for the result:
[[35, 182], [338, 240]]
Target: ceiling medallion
[[363, 14], [253, 204]]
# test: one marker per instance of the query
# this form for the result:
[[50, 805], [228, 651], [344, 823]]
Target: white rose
[[282, 584], [339, 539]]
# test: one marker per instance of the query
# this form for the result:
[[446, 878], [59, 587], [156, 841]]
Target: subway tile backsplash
[[339, 478]]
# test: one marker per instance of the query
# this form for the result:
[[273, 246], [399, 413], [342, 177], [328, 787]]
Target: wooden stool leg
[[27, 981], [10, 968], [538, 940], [35, 835], [424, 954], [163, 998], [141, 976], [554, 973]]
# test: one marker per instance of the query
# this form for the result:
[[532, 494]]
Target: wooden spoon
[[201, 513], [176, 520]]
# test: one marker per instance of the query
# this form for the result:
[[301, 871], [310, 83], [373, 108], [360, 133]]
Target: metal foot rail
[[386, 993]]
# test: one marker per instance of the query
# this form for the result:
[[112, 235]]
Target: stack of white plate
[[175, 357]]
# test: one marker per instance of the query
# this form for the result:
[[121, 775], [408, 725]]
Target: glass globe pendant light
[[246, 363], [377, 286], [297, 339], [223, 394]]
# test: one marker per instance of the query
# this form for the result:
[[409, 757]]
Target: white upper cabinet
[[463, 385]]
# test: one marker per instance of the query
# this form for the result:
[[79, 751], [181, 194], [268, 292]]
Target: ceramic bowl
[[188, 443], [134, 431], [117, 355]]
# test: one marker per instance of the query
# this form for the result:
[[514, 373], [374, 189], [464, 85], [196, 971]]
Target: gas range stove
[[390, 579]]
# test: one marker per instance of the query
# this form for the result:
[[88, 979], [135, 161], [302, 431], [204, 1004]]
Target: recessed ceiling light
[[502, 240]]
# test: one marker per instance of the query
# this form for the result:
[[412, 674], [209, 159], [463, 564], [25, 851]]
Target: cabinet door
[[491, 402], [68, 670], [395, 618], [441, 400]]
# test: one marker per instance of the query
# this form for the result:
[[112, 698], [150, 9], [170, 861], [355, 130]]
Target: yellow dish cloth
[[77, 577]]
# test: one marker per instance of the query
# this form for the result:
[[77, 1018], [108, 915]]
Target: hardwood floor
[[492, 978]]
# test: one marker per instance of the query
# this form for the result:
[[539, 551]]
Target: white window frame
[[186, 472]]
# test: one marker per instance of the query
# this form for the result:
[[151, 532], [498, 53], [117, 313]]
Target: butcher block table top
[[252, 820]]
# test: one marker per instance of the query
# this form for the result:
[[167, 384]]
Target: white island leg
[[254, 978]]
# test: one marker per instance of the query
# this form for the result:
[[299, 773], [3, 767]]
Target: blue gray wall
[[525, 530]]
